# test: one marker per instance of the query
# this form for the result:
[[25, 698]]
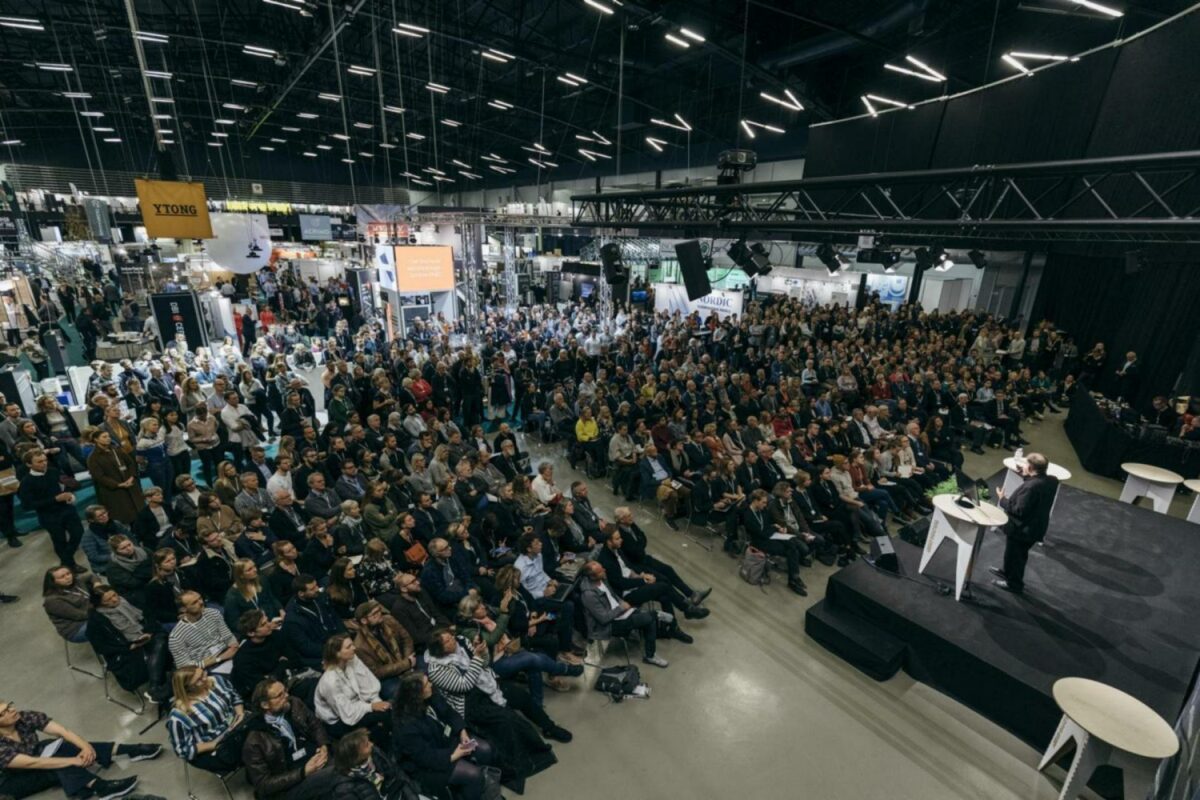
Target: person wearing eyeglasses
[[286, 745], [38, 754]]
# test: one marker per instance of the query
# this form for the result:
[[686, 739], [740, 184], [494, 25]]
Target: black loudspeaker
[[694, 269], [884, 554], [614, 267]]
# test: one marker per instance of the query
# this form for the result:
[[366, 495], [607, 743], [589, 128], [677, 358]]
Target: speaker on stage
[[614, 267], [694, 269], [884, 554]]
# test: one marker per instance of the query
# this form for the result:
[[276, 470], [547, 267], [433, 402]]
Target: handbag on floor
[[756, 568]]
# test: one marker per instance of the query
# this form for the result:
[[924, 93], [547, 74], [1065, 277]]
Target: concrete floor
[[753, 709]]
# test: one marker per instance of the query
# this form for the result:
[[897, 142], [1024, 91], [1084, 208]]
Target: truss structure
[[468, 284], [511, 281], [1143, 199]]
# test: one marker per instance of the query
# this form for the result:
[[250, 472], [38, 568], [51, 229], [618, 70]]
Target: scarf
[[126, 618], [130, 563], [368, 773]]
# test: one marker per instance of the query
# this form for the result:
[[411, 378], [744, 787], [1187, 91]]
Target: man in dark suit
[[760, 529], [1129, 378], [1005, 415], [1028, 512]]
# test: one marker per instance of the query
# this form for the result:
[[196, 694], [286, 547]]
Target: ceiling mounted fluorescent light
[[164, 132], [792, 104], [1041, 56], [408, 29], [470, 175], [100, 114], [114, 140], [223, 121], [458, 163], [538, 146], [443, 179], [765, 127], [658, 143], [912, 72], [216, 144], [501, 170], [366, 126], [493, 57], [347, 160], [324, 147], [247, 84], [277, 140], [22, 23], [153, 38], [599, 6], [54, 67], [749, 131], [387, 146], [594, 154], [220, 135], [77, 95], [355, 69], [306, 115], [432, 171], [888, 101], [666, 124], [404, 32], [282, 4], [695, 37], [408, 175], [160, 116], [567, 81], [340, 137], [267, 148], [537, 163], [1017, 65], [576, 78], [233, 106], [451, 123], [289, 129], [499, 106], [870, 108], [600, 138], [393, 109], [501, 53], [309, 154], [157, 73], [586, 154], [502, 104], [437, 87], [1103, 9], [104, 130], [683, 122], [922, 65], [416, 136], [675, 40], [10, 142], [166, 101], [333, 98], [260, 52], [423, 183], [583, 138], [365, 154], [494, 158]]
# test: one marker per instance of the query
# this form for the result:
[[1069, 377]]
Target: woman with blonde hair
[[152, 448], [56, 423], [247, 593], [439, 468], [227, 485], [204, 726]]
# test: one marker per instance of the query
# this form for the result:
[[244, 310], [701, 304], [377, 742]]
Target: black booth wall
[[1152, 312]]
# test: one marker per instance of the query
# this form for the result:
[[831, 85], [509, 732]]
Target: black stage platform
[[1113, 595]]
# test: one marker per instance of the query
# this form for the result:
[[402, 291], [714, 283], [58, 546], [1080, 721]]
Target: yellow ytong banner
[[174, 209]]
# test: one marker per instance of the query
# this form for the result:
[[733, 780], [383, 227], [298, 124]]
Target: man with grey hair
[[1028, 510]]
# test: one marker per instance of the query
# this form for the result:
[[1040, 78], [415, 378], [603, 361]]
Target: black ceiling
[[827, 53]]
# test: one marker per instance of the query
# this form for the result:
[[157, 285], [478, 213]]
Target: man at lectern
[[1028, 510]]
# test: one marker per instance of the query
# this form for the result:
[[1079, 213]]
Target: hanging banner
[[99, 220], [315, 228], [672, 297], [241, 243], [174, 209], [385, 266], [424, 269]]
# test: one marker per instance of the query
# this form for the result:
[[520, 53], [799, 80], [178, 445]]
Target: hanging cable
[[337, 64]]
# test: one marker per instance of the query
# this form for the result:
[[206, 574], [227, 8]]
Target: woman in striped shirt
[[205, 723]]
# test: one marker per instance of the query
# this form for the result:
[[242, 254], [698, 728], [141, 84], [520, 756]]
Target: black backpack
[[618, 682]]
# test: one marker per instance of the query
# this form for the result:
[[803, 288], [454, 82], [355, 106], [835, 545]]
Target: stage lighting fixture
[[762, 259], [740, 254], [827, 256], [977, 258]]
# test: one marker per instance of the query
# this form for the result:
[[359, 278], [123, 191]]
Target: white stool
[[1156, 483], [1107, 726], [964, 527], [1194, 514]]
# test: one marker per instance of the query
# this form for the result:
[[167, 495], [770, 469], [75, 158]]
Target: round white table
[[965, 528], [1194, 514], [1145, 480], [1107, 726]]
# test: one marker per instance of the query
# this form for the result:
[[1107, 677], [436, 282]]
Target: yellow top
[[587, 430]]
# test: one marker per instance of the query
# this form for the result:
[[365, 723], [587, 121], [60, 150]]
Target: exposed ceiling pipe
[[833, 44]]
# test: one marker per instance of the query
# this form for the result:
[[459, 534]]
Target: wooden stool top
[[1115, 717], [1148, 472]]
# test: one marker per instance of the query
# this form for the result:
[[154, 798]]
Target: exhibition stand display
[[1156, 483]]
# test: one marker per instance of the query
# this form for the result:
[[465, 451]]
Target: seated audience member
[[132, 645], [205, 723], [100, 528], [213, 570], [200, 638], [658, 481], [376, 572], [460, 674], [431, 741], [642, 587], [309, 621], [287, 521], [263, 653], [536, 629], [444, 577], [246, 593], [320, 552], [608, 615], [285, 747], [416, 611], [344, 589], [383, 645], [349, 535], [168, 581], [153, 523], [543, 487], [25, 771], [362, 771], [285, 570], [633, 548], [773, 539], [320, 501], [67, 602], [129, 570], [348, 693]]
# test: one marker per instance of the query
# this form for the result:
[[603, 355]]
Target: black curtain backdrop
[[1152, 312]]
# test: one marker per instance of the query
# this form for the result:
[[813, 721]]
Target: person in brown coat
[[115, 472], [383, 646], [276, 766]]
